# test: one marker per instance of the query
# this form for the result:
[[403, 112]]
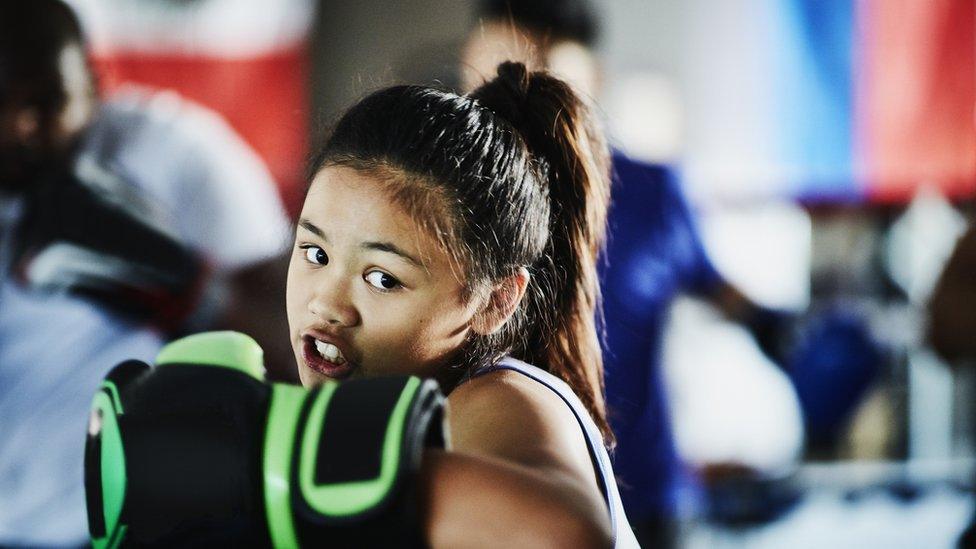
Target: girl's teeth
[[330, 352]]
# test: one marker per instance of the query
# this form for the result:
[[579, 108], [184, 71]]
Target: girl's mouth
[[325, 358]]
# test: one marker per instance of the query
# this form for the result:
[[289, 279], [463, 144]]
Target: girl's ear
[[501, 304]]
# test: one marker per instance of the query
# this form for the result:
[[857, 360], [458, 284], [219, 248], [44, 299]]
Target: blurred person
[[122, 222], [952, 321], [952, 306], [654, 253], [211, 51]]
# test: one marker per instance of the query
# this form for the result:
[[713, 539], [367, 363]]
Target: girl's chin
[[307, 377], [310, 378]]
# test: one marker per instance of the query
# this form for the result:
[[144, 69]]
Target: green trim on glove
[[111, 463], [279, 440], [228, 349], [352, 498]]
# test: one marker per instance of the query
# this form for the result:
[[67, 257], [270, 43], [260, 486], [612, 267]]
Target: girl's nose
[[332, 304]]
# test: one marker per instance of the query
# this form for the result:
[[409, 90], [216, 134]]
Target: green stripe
[[117, 537], [113, 391], [286, 407], [232, 350], [352, 498], [112, 463]]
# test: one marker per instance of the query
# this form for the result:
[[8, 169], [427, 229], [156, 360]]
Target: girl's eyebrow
[[393, 249], [308, 226], [387, 247]]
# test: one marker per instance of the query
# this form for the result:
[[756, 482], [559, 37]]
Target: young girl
[[456, 237]]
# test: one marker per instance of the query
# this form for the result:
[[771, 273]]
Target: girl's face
[[369, 292]]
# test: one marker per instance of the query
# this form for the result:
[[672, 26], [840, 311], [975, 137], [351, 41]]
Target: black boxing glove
[[199, 450], [80, 239]]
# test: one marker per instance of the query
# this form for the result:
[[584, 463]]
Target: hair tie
[[512, 93]]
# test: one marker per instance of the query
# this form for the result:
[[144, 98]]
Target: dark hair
[[514, 174], [32, 36], [574, 20]]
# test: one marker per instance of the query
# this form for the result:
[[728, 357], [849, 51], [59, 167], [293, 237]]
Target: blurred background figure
[[952, 306], [123, 221], [952, 322], [246, 59]]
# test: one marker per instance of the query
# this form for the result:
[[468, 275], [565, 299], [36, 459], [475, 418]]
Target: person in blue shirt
[[654, 253]]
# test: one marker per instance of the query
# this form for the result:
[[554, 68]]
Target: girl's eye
[[316, 255], [381, 280]]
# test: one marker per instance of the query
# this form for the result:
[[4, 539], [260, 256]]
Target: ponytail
[[562, 304]]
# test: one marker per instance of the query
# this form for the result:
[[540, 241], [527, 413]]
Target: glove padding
[[199, 450], [75, 239]]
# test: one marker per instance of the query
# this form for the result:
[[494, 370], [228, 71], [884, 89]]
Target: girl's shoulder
[[511, 411]]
